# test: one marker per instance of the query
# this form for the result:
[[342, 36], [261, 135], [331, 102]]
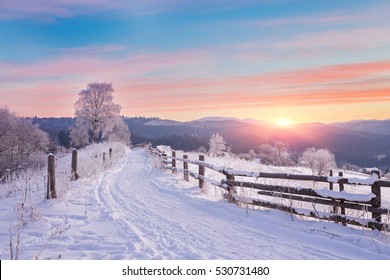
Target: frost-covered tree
[[116, 130], [320, 161], [202, 150], [79, 136], [19, 139], [350, 166], [252, 154], [217, 145], [275, 155], [95, 108]]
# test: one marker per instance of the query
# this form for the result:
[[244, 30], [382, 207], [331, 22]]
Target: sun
[[282, 122]]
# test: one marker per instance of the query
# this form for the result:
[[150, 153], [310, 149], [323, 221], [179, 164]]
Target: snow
[[132, 208], [368, 181], [345, 195], [166, 149], [334, 179]]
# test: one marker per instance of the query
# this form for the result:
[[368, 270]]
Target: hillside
[[360, 148], [372, 126], [130, 208], [349, 144]]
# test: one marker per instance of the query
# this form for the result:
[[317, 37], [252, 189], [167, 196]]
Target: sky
[[302, 61]]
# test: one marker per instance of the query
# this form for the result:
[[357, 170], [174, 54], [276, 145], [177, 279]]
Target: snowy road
[[154, 215], [138, 211]]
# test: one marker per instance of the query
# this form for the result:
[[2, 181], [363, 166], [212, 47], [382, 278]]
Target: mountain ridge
[[350, 145]]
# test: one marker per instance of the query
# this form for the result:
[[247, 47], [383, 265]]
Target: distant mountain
[[356, 147], [216, 119], [373, 126], [158, 122], [351, 142]]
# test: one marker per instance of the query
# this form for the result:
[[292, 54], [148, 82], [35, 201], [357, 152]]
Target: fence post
[[104, 157], [331, 184], [74, 175], [110, 152], [231, 189], [173, 162], [51, 177], [376, 189], [201, 172], [185, 167], [164, 158], [331, 188], [341, 188]]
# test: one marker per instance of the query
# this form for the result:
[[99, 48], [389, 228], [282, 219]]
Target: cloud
[[53, 80], [185, 80], [329, 85], [68, 8], [360, 38]]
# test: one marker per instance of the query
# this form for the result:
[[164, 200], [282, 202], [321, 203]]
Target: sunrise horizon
[[277, 121]]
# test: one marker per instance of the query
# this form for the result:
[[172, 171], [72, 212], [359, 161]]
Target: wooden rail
[[337, 201]]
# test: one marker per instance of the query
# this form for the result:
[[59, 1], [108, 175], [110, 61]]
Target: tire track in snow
[[160, 223], [114, 208], [130, 202]]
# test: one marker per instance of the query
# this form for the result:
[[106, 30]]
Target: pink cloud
[[86, 62], [254, 83], [338, 84], [362, 38], [346, 16], [171, 82], [26, 84]]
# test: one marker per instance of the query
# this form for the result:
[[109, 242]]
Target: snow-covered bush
[[217, 145], [116, 130], [19, 140], [275, 155], [202, 150], [320, 161], [351, 167], [79, 136], [90, 159], [251, 155]]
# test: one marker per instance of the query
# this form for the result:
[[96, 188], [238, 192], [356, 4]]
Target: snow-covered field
[[131, 208]]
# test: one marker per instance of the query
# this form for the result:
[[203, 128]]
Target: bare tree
[[217, 145], [95, 108], [19, 139], [320, 161]]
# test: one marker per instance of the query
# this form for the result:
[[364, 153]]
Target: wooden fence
[[336, 201], [51, 172]]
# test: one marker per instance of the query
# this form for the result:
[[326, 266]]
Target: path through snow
[[138, 211]]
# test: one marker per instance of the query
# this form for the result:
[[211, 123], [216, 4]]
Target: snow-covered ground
[[131, 208]]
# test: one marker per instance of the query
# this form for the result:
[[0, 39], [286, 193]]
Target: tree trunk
[[95, 132], [95, 137]]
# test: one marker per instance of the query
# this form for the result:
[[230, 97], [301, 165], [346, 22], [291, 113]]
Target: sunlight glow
[[282, 122]]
